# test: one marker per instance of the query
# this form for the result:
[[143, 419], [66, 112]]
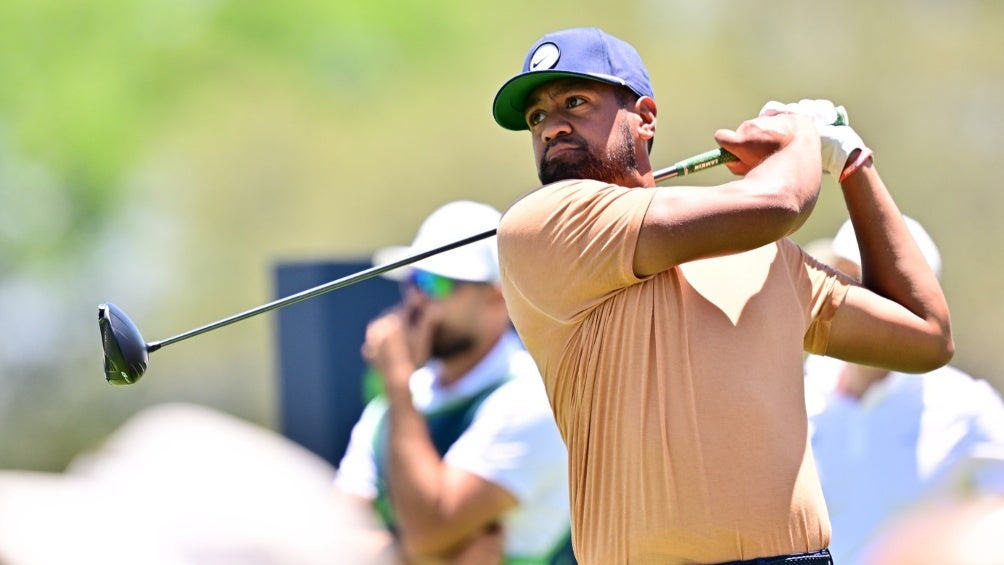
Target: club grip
[[694, 164]]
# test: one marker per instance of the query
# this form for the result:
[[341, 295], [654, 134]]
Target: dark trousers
[[821, 557]]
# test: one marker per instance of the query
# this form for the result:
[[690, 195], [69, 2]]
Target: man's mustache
[[574, 142]]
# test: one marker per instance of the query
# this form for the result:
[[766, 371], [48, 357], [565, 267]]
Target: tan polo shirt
[[679, 395]]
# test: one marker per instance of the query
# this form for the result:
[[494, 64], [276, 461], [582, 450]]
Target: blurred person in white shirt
[[886, 442]]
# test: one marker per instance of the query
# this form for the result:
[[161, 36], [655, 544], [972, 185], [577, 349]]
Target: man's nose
[[554, 127]]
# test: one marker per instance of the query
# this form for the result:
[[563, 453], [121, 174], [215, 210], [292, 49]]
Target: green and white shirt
[[495, 423]]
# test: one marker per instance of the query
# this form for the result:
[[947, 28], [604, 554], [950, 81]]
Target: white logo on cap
[[544, 57]]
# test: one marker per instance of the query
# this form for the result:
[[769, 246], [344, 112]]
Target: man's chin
[[445, 349], [560, 173]]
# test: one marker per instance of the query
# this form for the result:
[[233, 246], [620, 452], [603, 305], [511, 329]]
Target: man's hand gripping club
[[837, 140]]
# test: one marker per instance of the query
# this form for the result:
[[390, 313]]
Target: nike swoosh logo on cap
[[538, 59], [545, 57]]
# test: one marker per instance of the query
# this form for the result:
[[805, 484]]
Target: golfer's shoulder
[[543, 205]]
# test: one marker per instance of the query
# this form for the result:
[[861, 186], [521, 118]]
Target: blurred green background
[[166, 155]]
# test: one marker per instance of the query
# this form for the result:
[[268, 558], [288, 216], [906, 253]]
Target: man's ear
[[645, 107]]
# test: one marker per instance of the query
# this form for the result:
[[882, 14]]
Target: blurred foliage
[[165, 155]]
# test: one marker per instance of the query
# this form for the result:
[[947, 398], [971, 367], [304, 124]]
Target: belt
[[821, 557]]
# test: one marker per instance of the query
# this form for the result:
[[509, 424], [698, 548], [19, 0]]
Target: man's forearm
[[892, 263], [414, 470]]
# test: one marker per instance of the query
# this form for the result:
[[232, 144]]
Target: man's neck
[[642, 177]]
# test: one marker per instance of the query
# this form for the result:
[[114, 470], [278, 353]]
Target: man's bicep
[[688, 223], [872, 330]]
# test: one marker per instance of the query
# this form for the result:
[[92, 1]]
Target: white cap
[[845, 244], [477, 262]]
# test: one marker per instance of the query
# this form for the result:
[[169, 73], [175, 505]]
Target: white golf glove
[[835, 133]]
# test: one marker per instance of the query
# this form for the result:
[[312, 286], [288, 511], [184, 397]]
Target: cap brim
[[510, 101]]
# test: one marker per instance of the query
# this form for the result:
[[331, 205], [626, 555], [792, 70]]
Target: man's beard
[[583, 164], [446, 345]]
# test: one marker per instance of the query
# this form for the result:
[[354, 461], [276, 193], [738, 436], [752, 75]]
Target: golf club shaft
[[320, 289], [687, 166]]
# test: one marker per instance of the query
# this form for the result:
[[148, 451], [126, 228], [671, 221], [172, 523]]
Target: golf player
[[460, 455], [669, 323]]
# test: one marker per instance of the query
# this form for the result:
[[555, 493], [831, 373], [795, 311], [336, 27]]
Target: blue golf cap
[[571, 53]]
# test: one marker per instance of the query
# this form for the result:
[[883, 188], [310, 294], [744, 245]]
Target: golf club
[[127, 355]]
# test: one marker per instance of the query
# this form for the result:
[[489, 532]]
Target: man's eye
[[574, 101], [535, 117]]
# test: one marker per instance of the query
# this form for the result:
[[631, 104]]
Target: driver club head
[[126, 354]]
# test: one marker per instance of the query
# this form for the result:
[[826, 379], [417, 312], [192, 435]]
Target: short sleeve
[[828, 291], [566, 246], [356, 473]]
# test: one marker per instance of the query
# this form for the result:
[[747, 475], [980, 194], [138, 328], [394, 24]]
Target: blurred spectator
[[962, 531], [884, 441], [182, 484], [462, 446]]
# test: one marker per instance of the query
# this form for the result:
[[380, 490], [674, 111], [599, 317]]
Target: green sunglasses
[[432, 285]]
